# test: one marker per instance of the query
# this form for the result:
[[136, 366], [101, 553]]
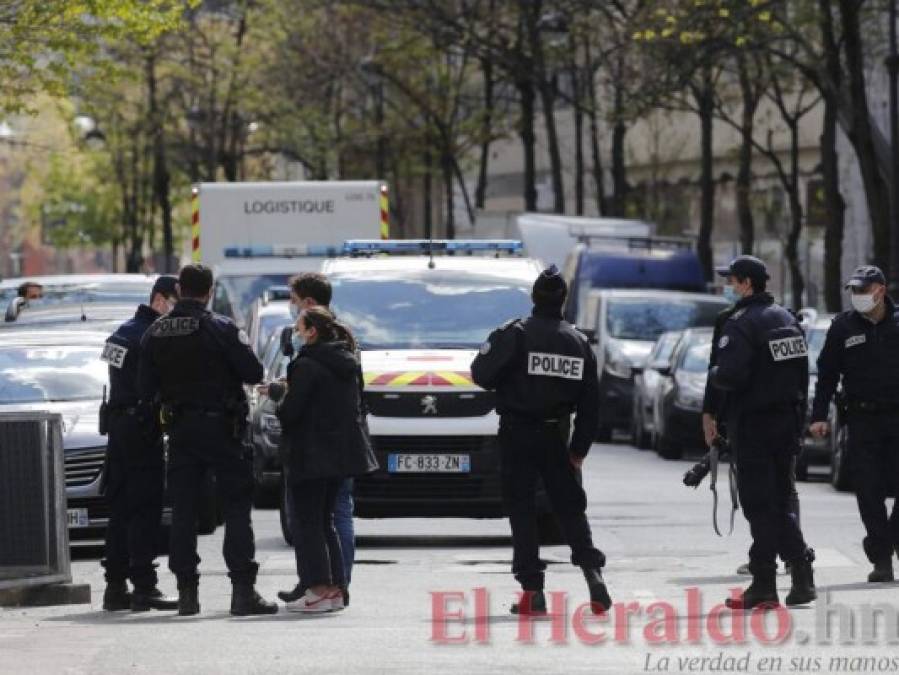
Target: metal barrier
[[34, 539]]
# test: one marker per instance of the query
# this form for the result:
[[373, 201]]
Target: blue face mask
[[297, 341], [731, 295]]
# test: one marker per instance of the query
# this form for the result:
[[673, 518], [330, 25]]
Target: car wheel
[[208, 516], [839, 467], [548, 529], [666, 449], [284, 516]]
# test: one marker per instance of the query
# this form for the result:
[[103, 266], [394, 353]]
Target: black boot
[[762, 591], [188, 600], [600, 601], [245, 601], [116, 596], [145, 599], [292, 595], [882, 572], [532, 603], [802, 590]]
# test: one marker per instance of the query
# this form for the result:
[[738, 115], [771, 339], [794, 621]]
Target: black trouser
[[532, 450], [874, 461], [319, 554], [766, 446], [199, 442], [135, 480]]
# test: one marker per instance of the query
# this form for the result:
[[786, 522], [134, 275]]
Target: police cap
[[865, 275], [745, 267]]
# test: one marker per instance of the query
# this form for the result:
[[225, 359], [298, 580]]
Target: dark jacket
[[324, 434], [865, 355], [542, 368]]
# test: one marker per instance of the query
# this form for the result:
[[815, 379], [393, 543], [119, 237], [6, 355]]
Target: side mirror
[[286, 341], [12, 311], [637, 370], [590, 334], [665, 371]]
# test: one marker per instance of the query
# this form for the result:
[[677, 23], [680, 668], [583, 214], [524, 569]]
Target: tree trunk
[[548, 100], [161, 176], [619, 170], [705, 100], [797, 281], [599, 186], [480, 195], [446, 168], [744, 173], [578, 140], [835, 210], [428, 200], [861, 135], [528, 141]]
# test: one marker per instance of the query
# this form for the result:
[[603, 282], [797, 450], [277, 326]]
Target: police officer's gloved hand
[[696, 474]]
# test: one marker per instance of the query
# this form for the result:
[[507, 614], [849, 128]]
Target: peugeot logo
[[429, 405]]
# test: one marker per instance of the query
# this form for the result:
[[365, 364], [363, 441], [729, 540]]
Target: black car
[[678, 404]]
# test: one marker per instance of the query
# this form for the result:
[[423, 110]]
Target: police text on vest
[[555, 365], [788, 348]]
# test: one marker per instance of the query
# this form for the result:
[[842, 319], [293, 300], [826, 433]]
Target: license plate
[[77, 518], [399, 463]]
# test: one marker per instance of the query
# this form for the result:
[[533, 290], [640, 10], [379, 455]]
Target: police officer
[[762, 365], [135, 465], [862, 349], [543, 370], [713, 423], [195, 362]]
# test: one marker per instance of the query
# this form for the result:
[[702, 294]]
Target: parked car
[[267, 315], [71, 290], [635, 262], [818, 451], [626, 324], [677, 411], [647, 381]]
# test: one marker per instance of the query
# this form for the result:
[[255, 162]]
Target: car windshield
[[696, 358], [268, 324], [639, 319], [130, 292], [815, 344], [51, 374], [235, 293], [426, 309], [664, 348]]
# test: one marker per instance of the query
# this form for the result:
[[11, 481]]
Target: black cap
[[165, 284], [866, 275], [745, 267]]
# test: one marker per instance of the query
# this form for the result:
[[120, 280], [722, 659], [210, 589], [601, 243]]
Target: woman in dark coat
[[324, 440]]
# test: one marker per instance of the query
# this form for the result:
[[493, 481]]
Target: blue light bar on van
[[282, 251], [424, 246]]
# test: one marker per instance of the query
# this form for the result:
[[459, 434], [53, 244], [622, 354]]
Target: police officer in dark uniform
[[135, 465], [762, 365], [543, 370], [714, 426], [862, 348], [195, 363]]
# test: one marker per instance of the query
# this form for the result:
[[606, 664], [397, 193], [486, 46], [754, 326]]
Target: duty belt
[[516, 418], [714, 452]]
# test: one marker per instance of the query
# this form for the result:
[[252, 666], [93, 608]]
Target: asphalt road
[[662, 555]]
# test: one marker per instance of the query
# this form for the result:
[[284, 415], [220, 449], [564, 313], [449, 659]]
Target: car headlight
[[690, 390], [617, 364]]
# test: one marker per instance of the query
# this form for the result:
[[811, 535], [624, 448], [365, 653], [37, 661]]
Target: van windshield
[[428, 309], [640, 319]]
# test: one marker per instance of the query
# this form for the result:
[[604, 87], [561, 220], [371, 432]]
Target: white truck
[[258, 235]]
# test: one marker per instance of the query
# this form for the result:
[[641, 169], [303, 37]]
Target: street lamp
[[892, 63]]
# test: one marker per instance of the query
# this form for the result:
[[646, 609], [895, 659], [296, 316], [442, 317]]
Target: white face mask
[[863, 303], [294, 311]]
